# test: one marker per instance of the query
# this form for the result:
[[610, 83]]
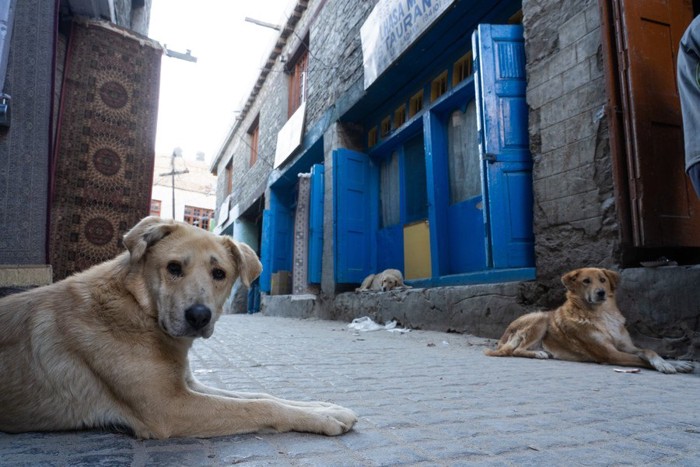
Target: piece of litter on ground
[[366, 324], [626, 370]]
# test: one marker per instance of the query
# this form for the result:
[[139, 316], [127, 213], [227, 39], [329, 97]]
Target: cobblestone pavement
[[423, 398]]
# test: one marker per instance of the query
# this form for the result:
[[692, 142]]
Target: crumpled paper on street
[[366, 324]]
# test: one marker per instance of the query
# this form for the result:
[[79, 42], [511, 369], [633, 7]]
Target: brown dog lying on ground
[[386, 280], [588, 327], [107, 348]]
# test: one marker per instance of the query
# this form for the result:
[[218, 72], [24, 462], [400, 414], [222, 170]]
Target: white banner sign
[[289, 137], [391, 28]]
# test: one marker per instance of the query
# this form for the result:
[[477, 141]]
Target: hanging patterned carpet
[[103, 164]]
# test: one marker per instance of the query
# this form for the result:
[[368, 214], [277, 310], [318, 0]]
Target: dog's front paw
[[336, 420], [543, 354], [682, 366], [663, 366]]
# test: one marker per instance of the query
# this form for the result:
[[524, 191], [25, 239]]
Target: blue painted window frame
[[508, 252]]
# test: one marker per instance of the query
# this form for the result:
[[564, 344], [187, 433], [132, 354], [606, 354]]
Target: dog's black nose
[[600, 293], [198, 316]]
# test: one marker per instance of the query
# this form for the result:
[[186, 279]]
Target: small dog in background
[[386, 280], [588, 327]]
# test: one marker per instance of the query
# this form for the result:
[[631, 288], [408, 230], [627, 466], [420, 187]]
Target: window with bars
[[400, 116], [462, 68], [372, 137], [386, 127], [199, 217], [415, 104], [438, 87]]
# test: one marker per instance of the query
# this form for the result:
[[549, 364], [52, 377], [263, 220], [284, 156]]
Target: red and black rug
[[103, 165]]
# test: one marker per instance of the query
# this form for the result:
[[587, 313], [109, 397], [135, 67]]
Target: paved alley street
[[423, 398]]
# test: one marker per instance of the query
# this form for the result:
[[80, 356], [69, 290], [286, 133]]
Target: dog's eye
[[218, 274], [602, 279], [586, 281], [175, 269]]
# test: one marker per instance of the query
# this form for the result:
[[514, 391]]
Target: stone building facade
[[594, 198]]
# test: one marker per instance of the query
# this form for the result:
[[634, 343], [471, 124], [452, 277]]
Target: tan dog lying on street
[[588, 327], [107, 348], [386, 280]]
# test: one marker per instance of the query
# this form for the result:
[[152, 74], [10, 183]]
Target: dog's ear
[[145, 234], [569, 279], [247, 262], [613, 277]]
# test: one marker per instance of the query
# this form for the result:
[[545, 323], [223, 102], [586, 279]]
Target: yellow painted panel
[[416, 250]]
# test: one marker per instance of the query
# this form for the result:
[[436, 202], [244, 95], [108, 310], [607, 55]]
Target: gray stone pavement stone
[[423, 398]]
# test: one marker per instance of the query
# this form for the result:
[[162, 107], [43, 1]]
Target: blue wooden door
[[355, 214], [500, 82], [265, 253], [282, 234], [278, 225], [316, 224]]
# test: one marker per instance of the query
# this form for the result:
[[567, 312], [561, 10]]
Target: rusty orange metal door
[[664, 208]]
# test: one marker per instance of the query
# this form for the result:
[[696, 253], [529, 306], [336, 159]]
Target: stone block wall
[[336, 63], [575, 220]]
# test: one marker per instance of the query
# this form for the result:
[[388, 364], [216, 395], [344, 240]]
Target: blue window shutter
[[280, 235], [356, 215], [316, 224], [265, 253], [503, 121]]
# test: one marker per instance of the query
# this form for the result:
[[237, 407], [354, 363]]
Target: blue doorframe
[[438, 190], [502, 120], [277, 244], [492, 231]]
